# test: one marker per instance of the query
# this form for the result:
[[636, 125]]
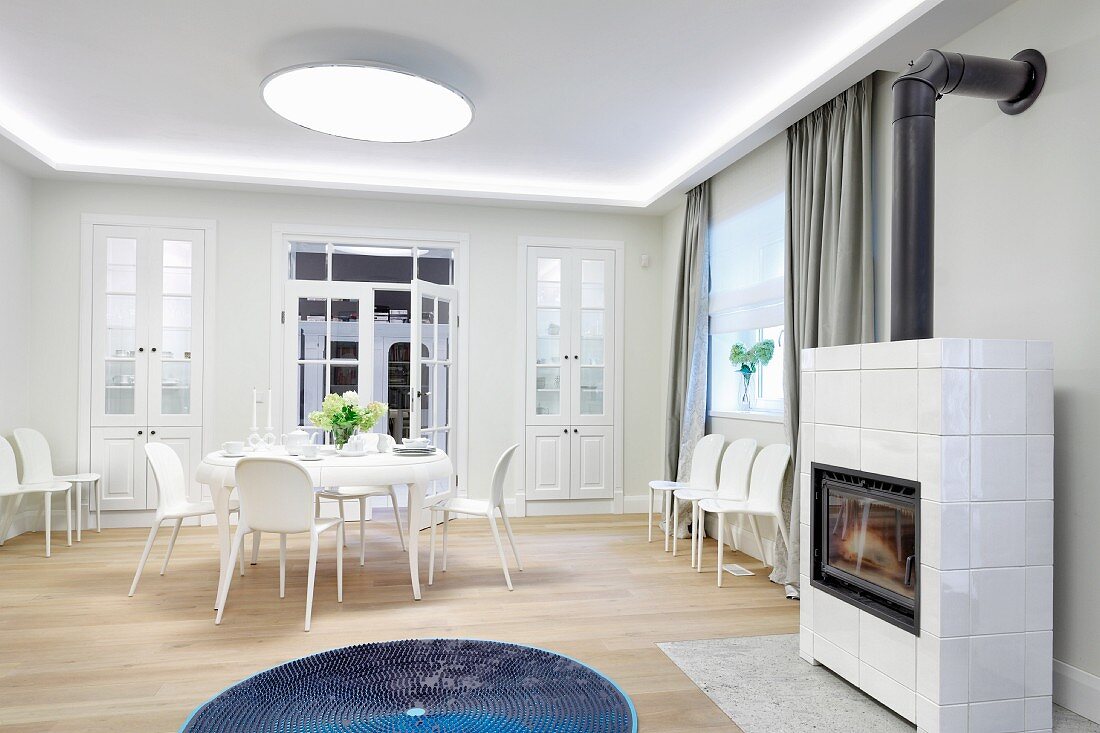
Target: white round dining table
[[218, 471]]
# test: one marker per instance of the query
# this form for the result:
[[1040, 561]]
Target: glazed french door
[[435, 324]]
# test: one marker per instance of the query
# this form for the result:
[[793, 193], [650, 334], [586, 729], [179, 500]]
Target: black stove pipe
[[1015, 83]]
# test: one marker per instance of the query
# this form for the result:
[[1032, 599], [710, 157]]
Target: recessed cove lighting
[[365, 101]]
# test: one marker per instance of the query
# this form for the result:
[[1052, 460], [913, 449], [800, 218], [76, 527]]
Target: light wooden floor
[[77, 655]]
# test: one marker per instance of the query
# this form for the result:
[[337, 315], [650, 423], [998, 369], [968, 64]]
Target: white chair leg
[[11, 508], [397, 520], [721, 544], [69, 516], [240, 556], [675, 522], [46, 513], [694, 530], [668, 515], [699, 545], [362, 531], [255, 548], [340, 544], [431, 547], [234, 556], [145, 555], [782, 533], [98, 516], [759, 542], [282, 566], [317, 506], [79, 487], [312, 576], [500, 550], [511, 537], [650, 517], [340, 502], [171, 544], [446, 524]]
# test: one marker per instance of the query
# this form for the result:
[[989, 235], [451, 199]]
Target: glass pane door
[[175, 339], [435, 311], [548, 343]]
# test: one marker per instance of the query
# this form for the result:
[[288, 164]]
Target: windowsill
[[758, 415]]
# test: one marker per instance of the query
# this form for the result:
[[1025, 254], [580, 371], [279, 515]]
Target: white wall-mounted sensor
[[645, 260]]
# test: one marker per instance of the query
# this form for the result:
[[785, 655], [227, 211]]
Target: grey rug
[[762, 685]]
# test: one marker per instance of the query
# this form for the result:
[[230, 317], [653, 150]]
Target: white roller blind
[[747, 240]]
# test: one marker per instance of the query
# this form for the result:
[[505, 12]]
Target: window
[[746, 278]]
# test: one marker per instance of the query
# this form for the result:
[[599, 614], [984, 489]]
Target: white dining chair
[[764, 500], [733, 484], [172, 503], [13, 491], [34, 451], [478, 508], [703, 475], [276, 495], [362, 494]]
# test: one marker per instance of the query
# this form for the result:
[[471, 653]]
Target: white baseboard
[[636, 503], [1077, 690]]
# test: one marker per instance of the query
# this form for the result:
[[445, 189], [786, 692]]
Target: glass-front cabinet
[[569, 367], [146, 344]]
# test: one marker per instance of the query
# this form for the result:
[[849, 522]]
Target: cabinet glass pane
[[548, 295], [121, 325], [119, 375], [176, 274], [547, 390], [175, 387], [548, 269], [345, 329], [176, 312], [592, 391], [592, 282], [121, 278], [372, 264], [592, 337], [177, 280], [312, 328], [311, 390], [308, 261]]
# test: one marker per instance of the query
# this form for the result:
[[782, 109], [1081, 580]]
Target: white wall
[[241, 321], [1017, 256]]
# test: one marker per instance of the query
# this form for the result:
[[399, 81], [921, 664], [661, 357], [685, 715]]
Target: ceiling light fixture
[[366, 101]]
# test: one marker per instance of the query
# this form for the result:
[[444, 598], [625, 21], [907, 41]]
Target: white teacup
[[309, 450], [233, 447]]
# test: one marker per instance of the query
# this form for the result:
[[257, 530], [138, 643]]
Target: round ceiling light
[[364, 101]]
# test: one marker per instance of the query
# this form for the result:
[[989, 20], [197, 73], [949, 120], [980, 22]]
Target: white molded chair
[[764, 500], [478, 508], [34, 450], [704, 476], [276, 495], [13, 492], [172, 503], [361, 493], [733, 484]]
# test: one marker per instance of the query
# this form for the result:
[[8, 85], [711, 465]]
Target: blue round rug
[[422, 686]]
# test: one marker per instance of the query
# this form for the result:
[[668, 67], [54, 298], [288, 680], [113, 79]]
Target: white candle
[[254, 423], [269, 423]]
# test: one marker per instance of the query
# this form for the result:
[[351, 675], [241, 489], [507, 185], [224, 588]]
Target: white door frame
[[456, 241], [524, 243]]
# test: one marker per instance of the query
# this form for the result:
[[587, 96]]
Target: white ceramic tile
[[836, 446], [1038, 714], [890, 650], [1040, 532], [1002, 716], [996, 667], [945, 535], [1040, 355], [889, 453], [1040, 402], [1038, 663], [996, 534], [889, 355], [888, 399], [806, 439], [805, 497], [805, 642], [1039, 598], [830, 358], [943, 669], [945, 602], [997, 601], [943, 401], [998, 402], [933, 718], [1040, 467], [806, 398], [837, 622], [836, 398], [808, 359], [899, 698], [844, 664], [998, 354], [948, 353], [943, 467], [805, 603], [998, 467], [804, 548]]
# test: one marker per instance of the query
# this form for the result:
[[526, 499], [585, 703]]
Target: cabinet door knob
[[574, 355], [141, 432], [152, 432], [566, 430], [574, 430], [141, 348], [153, 349]]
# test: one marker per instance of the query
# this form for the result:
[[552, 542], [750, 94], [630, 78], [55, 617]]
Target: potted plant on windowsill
[[342, 415], [748, 361]]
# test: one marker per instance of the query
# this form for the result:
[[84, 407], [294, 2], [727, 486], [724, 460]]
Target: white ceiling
[[612, 102]]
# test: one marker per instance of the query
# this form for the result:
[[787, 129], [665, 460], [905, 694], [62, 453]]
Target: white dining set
[[730, 481]]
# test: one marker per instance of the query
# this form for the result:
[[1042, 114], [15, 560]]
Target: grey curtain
[[687, 394], [830, 275]]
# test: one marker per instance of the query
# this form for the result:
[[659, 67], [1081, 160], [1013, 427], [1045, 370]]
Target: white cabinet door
[[592, 468], [549, 338], [592, 273], [547, 461], [187, 443], [118, 455]]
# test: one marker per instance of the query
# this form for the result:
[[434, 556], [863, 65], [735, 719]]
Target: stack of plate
[[403, 450]]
